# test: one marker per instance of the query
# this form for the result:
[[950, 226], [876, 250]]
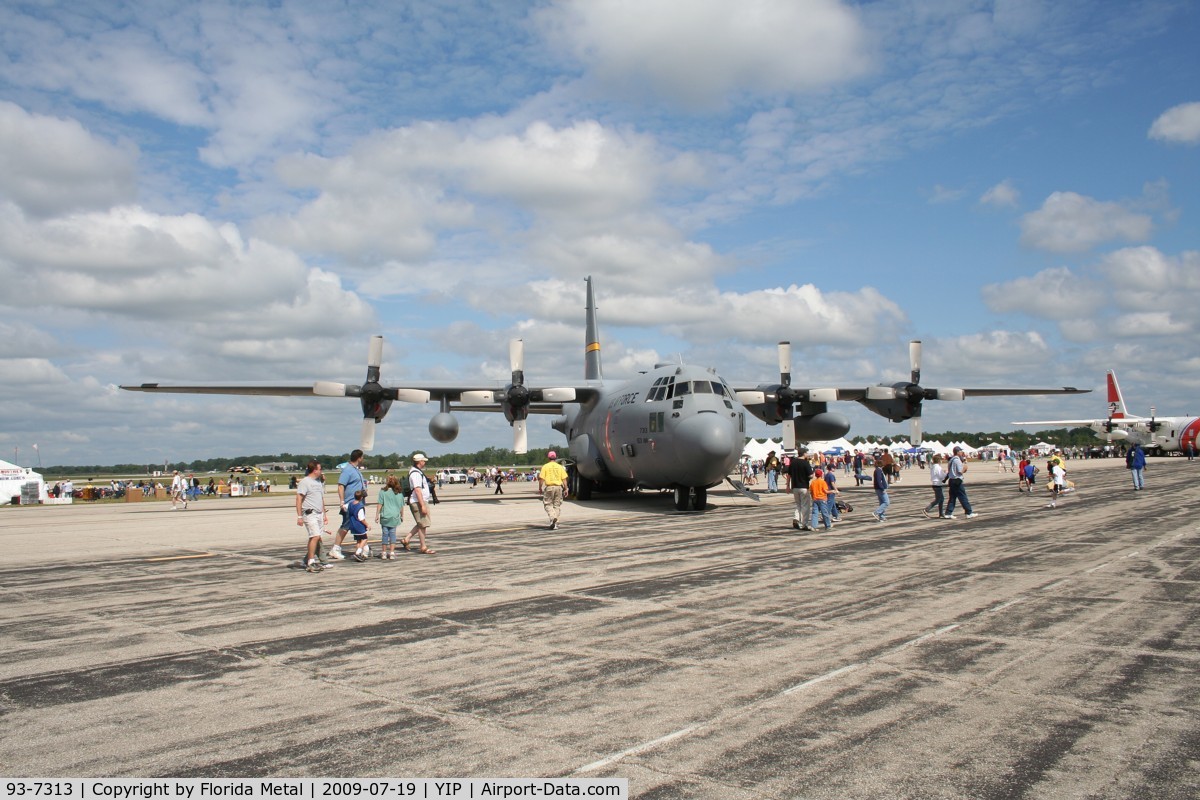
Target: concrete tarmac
[[1030, 652]]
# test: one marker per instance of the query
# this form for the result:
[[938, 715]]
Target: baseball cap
[[419, 457], [957, 449], [552, 455]]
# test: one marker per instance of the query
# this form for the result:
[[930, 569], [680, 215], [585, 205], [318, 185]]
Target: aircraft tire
[[691, 498], [583, 488]]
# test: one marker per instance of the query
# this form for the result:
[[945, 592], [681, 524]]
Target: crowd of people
[[812, 479], [414, 491]]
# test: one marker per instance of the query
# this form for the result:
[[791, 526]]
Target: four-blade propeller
[[375, 398], [902, 401]]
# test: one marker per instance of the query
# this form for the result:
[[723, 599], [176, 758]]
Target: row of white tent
[[756, 450]]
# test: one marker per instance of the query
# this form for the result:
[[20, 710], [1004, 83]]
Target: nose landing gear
[[691, 498]]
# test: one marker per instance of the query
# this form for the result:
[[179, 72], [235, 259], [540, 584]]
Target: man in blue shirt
[[957, 469], [349, 481], [1135, 460]]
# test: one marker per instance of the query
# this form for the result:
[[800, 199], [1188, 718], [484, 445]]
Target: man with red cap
[[552, 482]]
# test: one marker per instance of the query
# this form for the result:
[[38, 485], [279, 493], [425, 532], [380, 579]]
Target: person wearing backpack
[[419, 503]]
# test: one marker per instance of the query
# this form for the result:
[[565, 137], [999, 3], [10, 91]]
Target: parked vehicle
[[454, 476]]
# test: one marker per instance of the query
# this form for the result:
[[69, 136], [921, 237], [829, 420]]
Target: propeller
[[375, 398], [515, 398], [902, 401], [786, 397], [914, 362]]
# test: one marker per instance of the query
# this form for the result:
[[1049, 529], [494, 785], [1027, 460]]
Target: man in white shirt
[[419, 502], [178, 491]]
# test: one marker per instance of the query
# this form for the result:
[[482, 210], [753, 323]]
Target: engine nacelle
[[443, 427], [821, 427]]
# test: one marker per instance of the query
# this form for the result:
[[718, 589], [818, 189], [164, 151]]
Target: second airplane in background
[[1160, 434]]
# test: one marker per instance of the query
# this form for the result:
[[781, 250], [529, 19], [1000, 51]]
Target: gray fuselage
[[676, 426]]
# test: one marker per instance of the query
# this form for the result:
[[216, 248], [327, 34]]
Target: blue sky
[[246, 192]]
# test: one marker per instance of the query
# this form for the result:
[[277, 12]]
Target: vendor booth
[[20, 485]]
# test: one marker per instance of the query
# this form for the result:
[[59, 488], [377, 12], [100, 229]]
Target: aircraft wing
[[778, 402], [868, 392], [533, 408], [277, 391], [415, 393], [1075, 422]]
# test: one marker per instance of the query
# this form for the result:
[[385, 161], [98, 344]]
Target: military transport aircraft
[[1161, 434], [677, 426]]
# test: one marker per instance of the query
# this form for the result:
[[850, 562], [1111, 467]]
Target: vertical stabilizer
[[591, 353], [1116, 403]]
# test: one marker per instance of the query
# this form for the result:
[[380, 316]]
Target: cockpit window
[[661, 389]]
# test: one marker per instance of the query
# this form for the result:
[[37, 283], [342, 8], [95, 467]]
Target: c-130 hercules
[[677, 427]]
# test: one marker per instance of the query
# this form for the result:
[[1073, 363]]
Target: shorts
[[314, 524], [360, 537], [422, 520], [389, 534]]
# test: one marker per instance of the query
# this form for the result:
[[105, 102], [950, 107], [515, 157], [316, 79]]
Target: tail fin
[[1116, 403], [592, 370]]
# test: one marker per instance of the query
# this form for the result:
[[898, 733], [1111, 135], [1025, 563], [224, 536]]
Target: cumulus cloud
[[574, 198], [1180, 124], [1131, 292], [698, 52], [1070, 223], [702, 314], [1002, 195], [1145, 280], [136, 264], [1055, 293], [52, 166]]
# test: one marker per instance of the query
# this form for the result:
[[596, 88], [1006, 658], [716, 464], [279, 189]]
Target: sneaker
[[553, 524], [335, 552], [313, 566], [949, 516], [358, 556], [796, 524], [1050, 505], [878, 518], [972, 515], [925, 511], [366, 551]]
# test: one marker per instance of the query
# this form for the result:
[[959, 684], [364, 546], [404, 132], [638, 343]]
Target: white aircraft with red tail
[[1155, 433]]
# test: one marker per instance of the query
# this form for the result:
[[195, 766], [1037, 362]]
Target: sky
[[227, 192]]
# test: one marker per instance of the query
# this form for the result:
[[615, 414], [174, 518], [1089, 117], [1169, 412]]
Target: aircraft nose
[[705, 443]]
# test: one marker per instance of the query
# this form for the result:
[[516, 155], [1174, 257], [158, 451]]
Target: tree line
[[502, 457], [489, 456]]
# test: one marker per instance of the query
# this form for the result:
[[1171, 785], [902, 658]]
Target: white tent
[[757, 451], [13, 478], [832, 444]]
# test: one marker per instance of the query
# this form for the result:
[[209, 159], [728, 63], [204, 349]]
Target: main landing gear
[[691, 498], [581, 487]]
